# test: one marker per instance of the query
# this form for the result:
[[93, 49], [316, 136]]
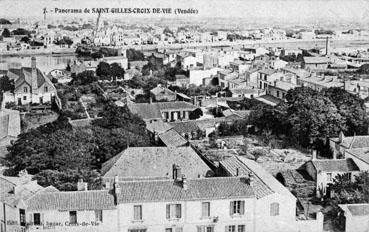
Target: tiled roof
[[77, 200], [24, 74], [341, 165], [9, 123], [315, 60], [267, 71], [231, 164], [360, 153], [158, 127], [153, 110], [359, 210], [356, 209], [185, 127], [171, 138], [198, 189], [155, 162], [161, 90], [352, 142]]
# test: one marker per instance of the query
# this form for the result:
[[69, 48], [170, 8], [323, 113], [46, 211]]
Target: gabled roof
[[336, 165], [360, 153], [198, 189], [352, 142], [357, 210], [155, 162], [316, 60], [171, 138], [185, 127], [76, 200], [158, 90], [24, 75], [154, 110], [9, 123]]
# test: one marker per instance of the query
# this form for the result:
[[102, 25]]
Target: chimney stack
[[116, 189], [313, 153], [34, 84], [341, 137], [176, 172], [81, 185], [184, 182]]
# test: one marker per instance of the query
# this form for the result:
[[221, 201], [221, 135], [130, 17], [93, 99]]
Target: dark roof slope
[[77, 200], [342, 165], [154, 162], [198, 189]]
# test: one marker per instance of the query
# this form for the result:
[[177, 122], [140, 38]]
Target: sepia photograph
[[184, 115]]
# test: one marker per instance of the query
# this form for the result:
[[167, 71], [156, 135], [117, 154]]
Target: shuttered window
[[37, 219], [73, 217], [237, 207], [205, 209], [173, 211], [98, 215], [137, 212], [235, 228], [206, 228], [274, 209]]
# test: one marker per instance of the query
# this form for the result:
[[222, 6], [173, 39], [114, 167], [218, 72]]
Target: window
[[24, 98], [37, 219], [205, 209], [205, 228], [174, 211], [137, 212], [274, 209], [329, 176], [73, 217], [46, 89], [237, 207], [175, 229], [98, 215], [277, 93], [25, 89], [22, 217], [235, 228]]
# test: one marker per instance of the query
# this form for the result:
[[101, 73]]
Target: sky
[[355, 10]]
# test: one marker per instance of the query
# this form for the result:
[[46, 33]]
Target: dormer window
[[25, 89], [46, 89]]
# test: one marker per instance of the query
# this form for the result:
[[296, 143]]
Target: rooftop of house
[[24, 75], [360, 153], [185, 127], [76, 200], [196, 189], [171, 138], [158, 127], [316, 59], [335, 165], [267, 71], [356, 209], [264, 183], [10, 124], [351, 142], [284, 85], [326, 81], [154, 110], [160, 90], [155, 162]]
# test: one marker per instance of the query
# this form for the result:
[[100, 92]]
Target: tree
[[21, 31], [351, 108], [6, 84], [117, 71], [312, 116], [135, 55], [84, 78], [364, 69], [4, 21], [103, 70], [6, 33], [67, 180]]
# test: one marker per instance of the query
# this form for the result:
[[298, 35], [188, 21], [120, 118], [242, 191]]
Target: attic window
[[25, 89], [46, 89]]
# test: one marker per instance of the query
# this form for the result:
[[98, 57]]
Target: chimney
[[341, 137], [184, 182], [176, 172], [107, 185], [313, 154], [81, 185], [116, 189], [34, 83]]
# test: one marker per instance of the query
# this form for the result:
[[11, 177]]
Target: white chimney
[[81, 185], [314, 156], [184, 182]]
